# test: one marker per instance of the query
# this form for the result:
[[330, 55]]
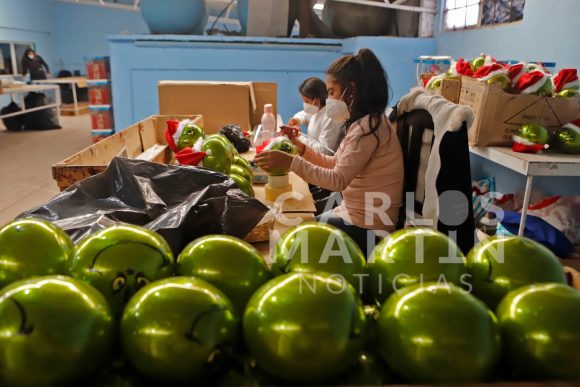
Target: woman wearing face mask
[[34, 64], [368, 165], [323, 133]]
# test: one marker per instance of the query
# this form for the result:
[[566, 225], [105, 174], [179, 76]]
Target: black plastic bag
[[181, 203], [13, 124], [236, 136], [45, 119]]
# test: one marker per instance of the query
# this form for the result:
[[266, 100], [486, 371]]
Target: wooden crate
[[131, 143]]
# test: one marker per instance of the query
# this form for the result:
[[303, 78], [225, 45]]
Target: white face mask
[[336, 109], [31, 56], [310, 108]]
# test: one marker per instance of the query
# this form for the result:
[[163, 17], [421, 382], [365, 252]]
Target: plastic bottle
[[267, 129]]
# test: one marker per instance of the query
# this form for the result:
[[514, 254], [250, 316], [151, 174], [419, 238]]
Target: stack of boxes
[[100, 98]]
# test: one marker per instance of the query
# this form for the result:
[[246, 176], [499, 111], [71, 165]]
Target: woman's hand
[[294, 122], [269, 160]]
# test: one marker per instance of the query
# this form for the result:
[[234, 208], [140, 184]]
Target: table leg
[[58, 103], [76, 103], [527, 194]]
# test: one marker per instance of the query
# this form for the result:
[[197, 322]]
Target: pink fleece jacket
[[370, 177]]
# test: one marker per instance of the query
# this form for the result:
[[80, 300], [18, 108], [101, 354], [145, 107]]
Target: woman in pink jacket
[[367, 168]]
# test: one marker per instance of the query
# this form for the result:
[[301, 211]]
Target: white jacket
[[323, 133]]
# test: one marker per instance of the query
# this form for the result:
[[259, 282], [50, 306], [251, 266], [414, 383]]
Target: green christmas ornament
[[191, 133], [282, 144], [233, 266], [242, 162], [241, 171], [218, 156], [540, 327], [33, 247], [120, 260], [305, 327], [313, 246], [412, 256], [567, 139], [243, 184], [178, 329], [499, 265], [54, 331], [531, 138], [431, 334]]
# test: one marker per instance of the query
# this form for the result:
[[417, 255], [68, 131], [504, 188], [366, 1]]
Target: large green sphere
[[534, 133], [305, 327], [54, 331], [191, 133], [242, 162], [312, 246], [177, 329], [241, 171], [243, 184], [567, 140], [233, 266], [120, 260], [438, 334], [540, 326], [283, 146], [32, 247], [412, 256], [500, 265]]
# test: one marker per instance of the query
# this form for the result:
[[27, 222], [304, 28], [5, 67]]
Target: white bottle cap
[[268, 108]]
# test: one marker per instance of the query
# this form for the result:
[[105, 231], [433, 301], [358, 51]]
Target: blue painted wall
[[138, 63], [549, 32], [539, 36], [29, 21], [82, 31]]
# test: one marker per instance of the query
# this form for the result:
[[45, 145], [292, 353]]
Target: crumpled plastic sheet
[[179, 202]]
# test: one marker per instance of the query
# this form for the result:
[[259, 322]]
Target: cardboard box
[[98, 68], [131, 142], [498, 115], [450, 90], [100, 94], [102, 118], [220, 103]]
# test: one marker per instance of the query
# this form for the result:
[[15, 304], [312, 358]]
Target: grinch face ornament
[[281, 143], [120, 260], [530, 138], [182, 134], [567, 139]]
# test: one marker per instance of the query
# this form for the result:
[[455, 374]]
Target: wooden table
[[25, 89], [296, 210], [80, 82]]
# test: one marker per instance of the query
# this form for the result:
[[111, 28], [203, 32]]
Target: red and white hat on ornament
[[523, 145], [487, 72], [192, 156], [531, 82], [173, 132], [461, 67], [566, 79], [516, 71]]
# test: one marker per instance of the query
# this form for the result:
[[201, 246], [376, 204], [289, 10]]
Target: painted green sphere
[[567, 140], [313, 246], [412, 256], [219, 156], [438, 334], [54, 330], [120, 260], [177, 329], [191, 133], [243, 184], [242, 162], [499, 265], [305, 327], [534, 133], [32, 247], [283, 146], [241, 171], [233, 266], [540, 326]]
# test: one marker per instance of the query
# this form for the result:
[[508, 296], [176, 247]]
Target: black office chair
[[453, 184]]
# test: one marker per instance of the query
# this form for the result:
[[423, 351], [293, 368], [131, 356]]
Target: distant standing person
[[34, 64]]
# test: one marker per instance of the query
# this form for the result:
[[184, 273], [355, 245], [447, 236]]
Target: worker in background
[[323, 133], [34, 64]]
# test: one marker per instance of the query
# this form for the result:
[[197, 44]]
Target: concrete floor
[[26, 159]]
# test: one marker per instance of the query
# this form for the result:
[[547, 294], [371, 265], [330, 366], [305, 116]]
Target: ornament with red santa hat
[[182, 134], [459, 68], [535, 82], [531, 138], [566, 83], [493, 74]]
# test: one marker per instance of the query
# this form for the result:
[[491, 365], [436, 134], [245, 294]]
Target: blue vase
[[175, 16]]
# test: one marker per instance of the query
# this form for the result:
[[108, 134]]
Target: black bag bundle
[[44, 119], [236, 136], [13, 124], [179, 202]]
